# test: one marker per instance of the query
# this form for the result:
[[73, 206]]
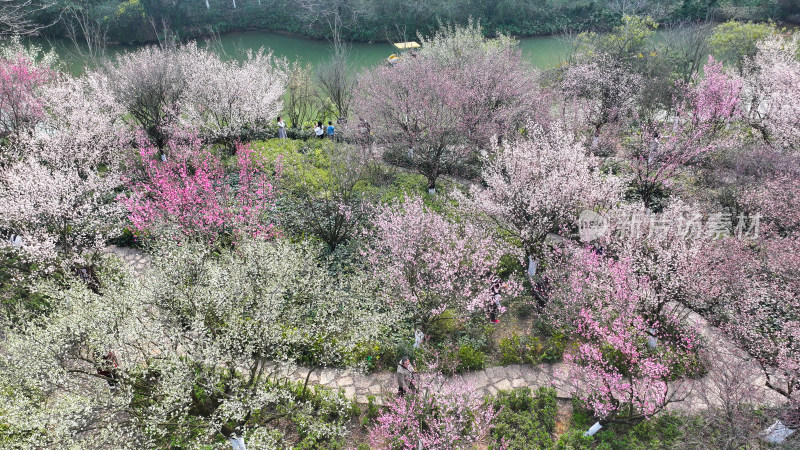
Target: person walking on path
[[494, 306], [405, 376], [319, 131], [281, 128], [330, 130]]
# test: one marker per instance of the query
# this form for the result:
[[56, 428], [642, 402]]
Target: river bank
[[365, 21]]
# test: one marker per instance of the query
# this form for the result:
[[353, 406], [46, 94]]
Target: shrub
[[663, 431], [322, 416], [444, 326], [532, 349], [524, 421], [520, 350], [470, 358], [377, 356], [371, 412]]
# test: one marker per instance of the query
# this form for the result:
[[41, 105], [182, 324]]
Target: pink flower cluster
[[20, 103], [192, 192], [442, 414], [431, 263], [716, 97], [624, 357]]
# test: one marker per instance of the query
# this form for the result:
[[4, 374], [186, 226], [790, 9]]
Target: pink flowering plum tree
[[662, 246], [715, 97], [58, 194], [430, 264], [21, 104], [415, 107], [770, 100], [776, 200], [443, 413], [664, 147], [540, 184], [749, 287], [751, 291], [626, 355], [601, 89], [501, 90], [192, 195], [446, 102], [616, 374]]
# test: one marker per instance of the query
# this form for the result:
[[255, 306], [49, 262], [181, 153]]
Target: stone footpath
[[358, 386], [137, 260], [730, 369]]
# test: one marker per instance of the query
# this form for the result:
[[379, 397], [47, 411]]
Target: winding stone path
[[731, 373]]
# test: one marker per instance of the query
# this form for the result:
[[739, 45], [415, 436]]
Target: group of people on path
[[319, 130]]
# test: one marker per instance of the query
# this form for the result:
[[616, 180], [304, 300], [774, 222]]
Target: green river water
[[542, 52]]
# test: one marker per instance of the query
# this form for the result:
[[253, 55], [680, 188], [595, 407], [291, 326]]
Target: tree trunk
[[432, 184]]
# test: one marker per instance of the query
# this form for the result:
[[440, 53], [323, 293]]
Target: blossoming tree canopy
[[443, 414], [199, 346], [191, 86], [191, 193], [540, 184], [57, 193], [431, 264], [21, 79], [452, 99], [627, 353], [769, 92]]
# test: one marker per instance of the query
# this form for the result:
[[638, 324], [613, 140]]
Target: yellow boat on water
[[394, 58]]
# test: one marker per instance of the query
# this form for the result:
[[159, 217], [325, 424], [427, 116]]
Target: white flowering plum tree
[[162, 87], [227, 98], [191, 353], [770, 95], [58, 195]]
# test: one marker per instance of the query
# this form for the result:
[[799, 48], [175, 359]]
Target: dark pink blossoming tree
[[191, 193]]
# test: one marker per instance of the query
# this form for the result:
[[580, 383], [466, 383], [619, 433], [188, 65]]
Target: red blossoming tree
[[192, 194], [21, 104]]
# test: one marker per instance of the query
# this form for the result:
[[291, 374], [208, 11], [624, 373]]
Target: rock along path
[[729, 369]]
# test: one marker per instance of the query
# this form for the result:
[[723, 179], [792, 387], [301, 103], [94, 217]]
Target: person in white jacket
[[281, 128]]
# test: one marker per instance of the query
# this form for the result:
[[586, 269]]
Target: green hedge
[[526, 420]]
